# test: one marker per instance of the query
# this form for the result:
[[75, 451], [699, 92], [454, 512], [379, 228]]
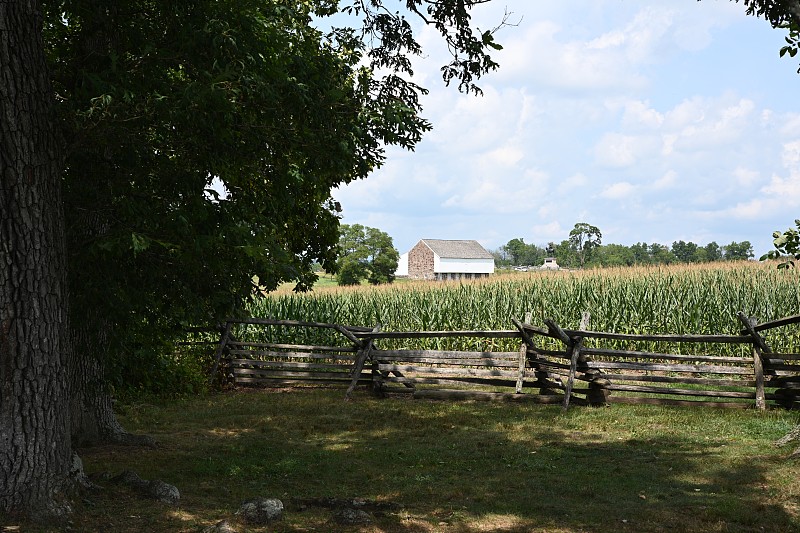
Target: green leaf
[[139, 243]]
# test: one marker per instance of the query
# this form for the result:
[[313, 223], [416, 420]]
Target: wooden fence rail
[[590, 368]]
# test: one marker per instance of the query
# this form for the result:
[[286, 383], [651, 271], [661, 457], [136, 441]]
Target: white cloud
[[791, 125], [562, 63], [576, 181], [667, 181], [746, 176], [680, 110], [639, 115], [550, 232], [787, 189], [616, 150], [490, 194], [618, 191], [506, 156], [702, 124]]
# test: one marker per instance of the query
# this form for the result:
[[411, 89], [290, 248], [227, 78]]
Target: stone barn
[[447, 259]]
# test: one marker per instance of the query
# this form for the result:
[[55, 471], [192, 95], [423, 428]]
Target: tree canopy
[[584, 238], [206, 136], [201, 142], [365, 253], [787, 246]]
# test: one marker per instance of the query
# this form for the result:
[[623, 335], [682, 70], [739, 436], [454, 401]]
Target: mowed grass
[[461, 466], [474, 467]]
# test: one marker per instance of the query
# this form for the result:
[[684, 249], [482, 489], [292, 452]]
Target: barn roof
[[453, 249]]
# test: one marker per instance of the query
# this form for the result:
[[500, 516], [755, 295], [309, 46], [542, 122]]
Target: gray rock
[[163, 492], [261, 510]]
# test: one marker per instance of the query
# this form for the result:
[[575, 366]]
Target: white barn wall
[[446, 265], [402, 266]]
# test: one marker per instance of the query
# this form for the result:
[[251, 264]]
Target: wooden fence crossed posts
[[551, 364]]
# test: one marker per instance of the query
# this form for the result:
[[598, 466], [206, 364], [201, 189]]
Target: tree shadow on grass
[[462, 467]]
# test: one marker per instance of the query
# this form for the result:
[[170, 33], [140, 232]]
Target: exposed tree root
[[792, 436], [155, 489], [131, 439]]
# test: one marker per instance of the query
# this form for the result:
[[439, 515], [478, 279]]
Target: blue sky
[[656, 121]]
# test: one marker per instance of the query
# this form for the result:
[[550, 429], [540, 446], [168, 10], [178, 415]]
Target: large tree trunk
[[35, 446], [91, 411], [92, 414]]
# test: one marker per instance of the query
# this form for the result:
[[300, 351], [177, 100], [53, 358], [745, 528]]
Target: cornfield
[[701, 299]]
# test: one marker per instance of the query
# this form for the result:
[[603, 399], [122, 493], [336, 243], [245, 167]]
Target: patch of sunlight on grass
[[182, 515], [338, 447], [229, 432], [498, 522]]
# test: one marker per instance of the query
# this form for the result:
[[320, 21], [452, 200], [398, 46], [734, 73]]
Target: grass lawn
[[461, 467]]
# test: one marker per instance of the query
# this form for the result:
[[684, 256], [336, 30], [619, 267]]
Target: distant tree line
[[584, 248]]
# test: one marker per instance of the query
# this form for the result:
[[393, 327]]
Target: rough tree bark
[[92, 413], [35, 446], [91, 410]]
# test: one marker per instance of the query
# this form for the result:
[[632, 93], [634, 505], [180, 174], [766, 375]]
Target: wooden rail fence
[[589, 367]]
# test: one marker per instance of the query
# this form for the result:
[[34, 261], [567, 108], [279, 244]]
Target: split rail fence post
[[223, 341], [527, 343], [759, 347], [522, 360], [575, 356], [574, 346], [358, 365], [556, 331]]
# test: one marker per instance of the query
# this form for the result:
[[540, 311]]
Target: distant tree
[[738, 251], [700, 255], [501, 258], [534, 255], [383, 257], [365, 253], [350, 271], [660, 254], [520, 253], [713, 251], [613, 255], [641, 254], [515, 248], [685, 252], [584, 238], [565, 254]]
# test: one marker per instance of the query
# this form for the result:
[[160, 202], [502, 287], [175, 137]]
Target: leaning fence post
[[358, 365], [527, 343], [220, 348], [577, 344], [556, 331], [522, 360], [759, 346]]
